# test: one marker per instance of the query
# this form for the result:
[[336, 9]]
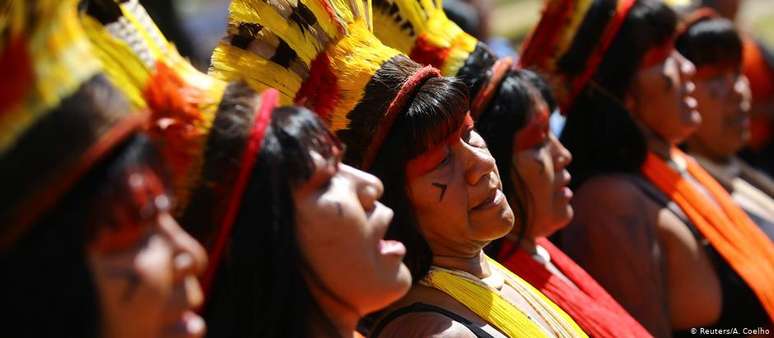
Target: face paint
[[535, 132], [133, 209], [433, 157], [657, 55], [339, 210], [443, 189]]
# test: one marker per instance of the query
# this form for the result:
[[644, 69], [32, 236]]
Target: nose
[[369, 187], [743, 93], [190, 259], [479, 163], [562, 156]]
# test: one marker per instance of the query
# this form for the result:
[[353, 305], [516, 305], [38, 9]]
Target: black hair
[[47, 286], [437, 110], [511, 107], [712, 41], [600, 132], [259, 289]]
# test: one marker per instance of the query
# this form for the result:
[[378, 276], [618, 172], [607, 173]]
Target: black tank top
[[422, 307], [741, 308]]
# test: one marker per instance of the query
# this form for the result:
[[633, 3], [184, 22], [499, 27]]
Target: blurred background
[[195, 26]]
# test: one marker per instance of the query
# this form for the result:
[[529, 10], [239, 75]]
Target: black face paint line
[[339, 209], [443, 189]]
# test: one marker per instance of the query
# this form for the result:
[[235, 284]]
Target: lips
[[495, 198], [188, 325], [382, 216]]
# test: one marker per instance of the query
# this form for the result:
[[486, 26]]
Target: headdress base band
[[398, 104], [269, 100], [484, 96]]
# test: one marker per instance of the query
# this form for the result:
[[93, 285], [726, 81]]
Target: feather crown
[[185, 107], [421, 29], [44, 150], [318, 53], [555, 36]]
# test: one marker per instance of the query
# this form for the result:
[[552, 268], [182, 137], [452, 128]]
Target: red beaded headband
[[398, 104], [269, 100], [484, 96]]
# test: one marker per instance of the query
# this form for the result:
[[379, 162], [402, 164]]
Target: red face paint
[[431, 158], [131, 212], [535, 132], [658, 55]]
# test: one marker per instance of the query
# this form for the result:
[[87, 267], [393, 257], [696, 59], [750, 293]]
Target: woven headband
[[269, 100], [397, 105], [484, 96]]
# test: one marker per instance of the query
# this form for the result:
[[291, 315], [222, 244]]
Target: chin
[[502, 226], [392, 292]]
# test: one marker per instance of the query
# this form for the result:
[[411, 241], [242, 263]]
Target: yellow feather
[[229, 63], [569, 31], [355, 59], [123, 68], [428, 21], [62, 61]]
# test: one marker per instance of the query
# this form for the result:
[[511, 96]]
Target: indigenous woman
[[88, 247], [292, 224], [513, 108], [723, 98], [410, 127], [650, 225]]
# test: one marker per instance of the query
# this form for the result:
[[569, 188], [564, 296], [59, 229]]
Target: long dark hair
[[436, 111], [600, 133], [46, 284], [259, 289], [509, 111]]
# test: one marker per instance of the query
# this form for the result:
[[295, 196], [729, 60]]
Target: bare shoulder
[[425, 324], [612, 207], [606, 191], [615, 237]]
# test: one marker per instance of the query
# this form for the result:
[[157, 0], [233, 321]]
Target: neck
[[528, 245], [335, 318], [698, 148], [475, 265], [659, 146]]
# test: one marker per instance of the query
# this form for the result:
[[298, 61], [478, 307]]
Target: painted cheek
[[534, 133], [426, 162]]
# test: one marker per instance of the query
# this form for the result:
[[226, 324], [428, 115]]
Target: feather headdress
[[421, 29], [317, 53], [554, 37], [45, 150], [186, 116]]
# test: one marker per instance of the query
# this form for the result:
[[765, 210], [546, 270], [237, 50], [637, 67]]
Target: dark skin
[[644, 255]]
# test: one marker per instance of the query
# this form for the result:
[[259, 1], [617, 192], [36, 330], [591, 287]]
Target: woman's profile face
[[457, 196], [145, 266], [541, 161], [663, 101], [724, 100], [341, 226]]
